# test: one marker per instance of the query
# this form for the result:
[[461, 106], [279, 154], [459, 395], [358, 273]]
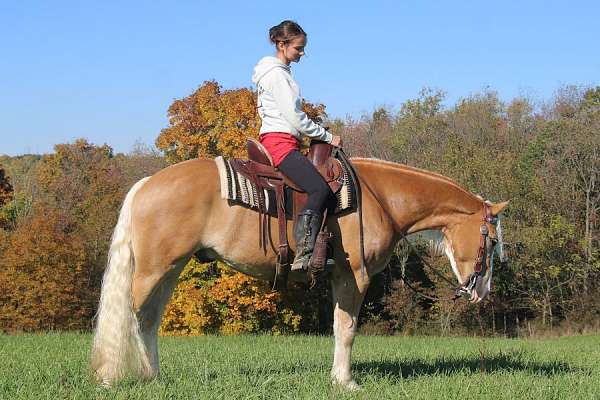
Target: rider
[[283, 126]]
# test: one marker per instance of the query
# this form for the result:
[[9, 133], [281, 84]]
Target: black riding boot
[[305, 233]]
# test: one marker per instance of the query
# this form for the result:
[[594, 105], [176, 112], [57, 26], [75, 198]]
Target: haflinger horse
[[178, 213]]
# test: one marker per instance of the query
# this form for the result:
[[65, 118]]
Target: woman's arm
[[289, 104]]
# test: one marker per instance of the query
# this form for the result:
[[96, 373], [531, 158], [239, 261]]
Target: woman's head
[[289, 39]]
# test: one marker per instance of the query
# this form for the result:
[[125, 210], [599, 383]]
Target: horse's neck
[[415, 199]]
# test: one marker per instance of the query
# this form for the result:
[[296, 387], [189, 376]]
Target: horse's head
[[470, 244]]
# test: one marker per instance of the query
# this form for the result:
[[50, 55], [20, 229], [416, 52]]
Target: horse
[[178, 213]]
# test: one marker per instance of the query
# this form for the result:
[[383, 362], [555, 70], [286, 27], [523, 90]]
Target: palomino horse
[[167, 218]]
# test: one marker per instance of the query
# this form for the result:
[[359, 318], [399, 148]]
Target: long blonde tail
[[118, 349]]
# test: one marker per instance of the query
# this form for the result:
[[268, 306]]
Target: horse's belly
[[263, 272]]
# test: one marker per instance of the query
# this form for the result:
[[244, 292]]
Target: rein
[[438, 273]]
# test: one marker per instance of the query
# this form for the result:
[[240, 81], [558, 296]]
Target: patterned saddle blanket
[[238, 189]]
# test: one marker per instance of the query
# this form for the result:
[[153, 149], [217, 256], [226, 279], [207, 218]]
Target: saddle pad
[[240, 190]]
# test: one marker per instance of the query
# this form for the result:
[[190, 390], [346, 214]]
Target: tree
[[211, 299], [6, 190], [44, 279], [215, 122], [6, 195], [53, 261], [208, 123]]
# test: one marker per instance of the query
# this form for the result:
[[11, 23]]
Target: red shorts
[[279, 145]]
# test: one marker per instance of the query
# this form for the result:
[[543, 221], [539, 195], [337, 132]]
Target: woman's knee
[[322, 198]]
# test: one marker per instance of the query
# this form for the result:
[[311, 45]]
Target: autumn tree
[[140, 162], [209, 299], [6, 189], [6, 195], [209, 122], [21, 171], [215, 122], [53, 261], [44, 281]]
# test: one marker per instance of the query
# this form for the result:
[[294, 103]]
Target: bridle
[[480, 267]]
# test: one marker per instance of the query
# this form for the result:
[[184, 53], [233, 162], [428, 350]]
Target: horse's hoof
[[105, 383], [351, 385]]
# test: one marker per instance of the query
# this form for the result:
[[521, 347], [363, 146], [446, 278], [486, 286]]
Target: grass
[[55, 366]]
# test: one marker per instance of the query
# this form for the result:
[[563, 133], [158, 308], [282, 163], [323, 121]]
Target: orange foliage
[[6, 195], [43, 279], [214, 122], [228, 304], [316, 112], [6, 190], [210, 122], [54, 258]]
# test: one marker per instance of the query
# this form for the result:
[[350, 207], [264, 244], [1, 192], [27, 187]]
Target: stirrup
[[299, 265]]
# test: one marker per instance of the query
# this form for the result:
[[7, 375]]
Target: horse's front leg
[[347, 299]]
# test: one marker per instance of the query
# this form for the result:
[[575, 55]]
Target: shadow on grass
[[495, 363]]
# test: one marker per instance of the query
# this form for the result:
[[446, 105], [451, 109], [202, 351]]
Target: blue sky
[[108, 70]]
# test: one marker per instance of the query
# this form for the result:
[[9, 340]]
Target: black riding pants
[[300, 170]]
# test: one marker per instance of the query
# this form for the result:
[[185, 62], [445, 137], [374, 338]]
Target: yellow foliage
[[231, 303], [214, 122], [209, 123]]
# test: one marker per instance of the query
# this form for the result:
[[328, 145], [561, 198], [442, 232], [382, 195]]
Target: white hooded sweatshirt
[[279, 103]]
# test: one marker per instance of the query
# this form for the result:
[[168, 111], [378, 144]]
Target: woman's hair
[[285, 31]]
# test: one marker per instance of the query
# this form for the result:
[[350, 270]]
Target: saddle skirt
[[254, 182], [240, 188]]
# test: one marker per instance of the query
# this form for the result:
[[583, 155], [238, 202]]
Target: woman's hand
[[336, 141]]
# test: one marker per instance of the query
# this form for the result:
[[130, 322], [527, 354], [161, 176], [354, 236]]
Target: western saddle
[[260, 171]]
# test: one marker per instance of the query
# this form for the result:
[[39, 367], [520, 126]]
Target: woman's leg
[[300, 170]]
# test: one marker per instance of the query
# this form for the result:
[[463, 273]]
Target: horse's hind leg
[[151, 293], [347, 299]]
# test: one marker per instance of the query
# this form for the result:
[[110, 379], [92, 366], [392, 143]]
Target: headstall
[[480, 268]]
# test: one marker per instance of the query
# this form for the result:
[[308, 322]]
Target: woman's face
[[291, 51]]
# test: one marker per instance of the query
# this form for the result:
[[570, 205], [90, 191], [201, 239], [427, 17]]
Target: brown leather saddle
[[260, 171]]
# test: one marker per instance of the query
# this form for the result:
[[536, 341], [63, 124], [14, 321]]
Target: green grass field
[[55, 366]]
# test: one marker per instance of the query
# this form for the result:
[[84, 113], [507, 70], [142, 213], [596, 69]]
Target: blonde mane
[[417, 171]]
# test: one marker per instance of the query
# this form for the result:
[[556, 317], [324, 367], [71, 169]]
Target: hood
[[265, 65]]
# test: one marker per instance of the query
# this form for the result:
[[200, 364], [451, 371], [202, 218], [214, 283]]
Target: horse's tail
[[118, 348]]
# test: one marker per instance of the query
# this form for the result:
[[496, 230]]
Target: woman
[[284, 124]]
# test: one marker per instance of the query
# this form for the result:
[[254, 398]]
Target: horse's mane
[[418, 171]]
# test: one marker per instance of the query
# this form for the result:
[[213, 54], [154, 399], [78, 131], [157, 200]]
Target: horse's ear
[[497, 208]]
